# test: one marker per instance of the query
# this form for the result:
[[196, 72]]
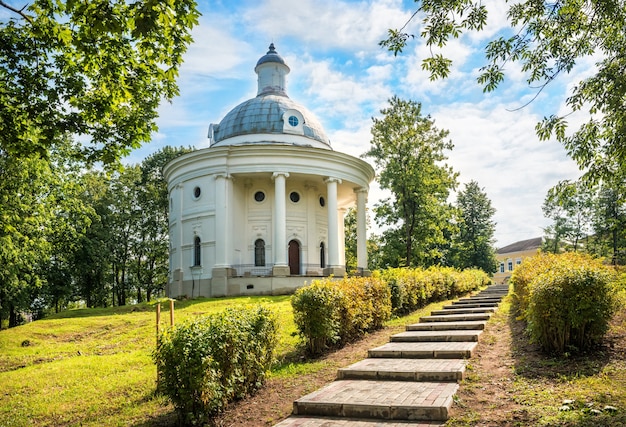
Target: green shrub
[[413, 288], [524, 274], [329, 312], [569, 302], [207, 362], [316, 312]]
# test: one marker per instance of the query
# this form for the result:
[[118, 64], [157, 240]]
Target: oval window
[[322, 201], [294, 197], [259, 196], [293, 121], [196, 192]]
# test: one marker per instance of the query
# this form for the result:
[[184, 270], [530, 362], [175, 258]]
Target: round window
[[259, 196], [293, 121], [294, 197], [322, 201], [196, 192]]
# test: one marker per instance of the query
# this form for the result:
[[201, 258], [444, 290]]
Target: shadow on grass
[[531, 362]]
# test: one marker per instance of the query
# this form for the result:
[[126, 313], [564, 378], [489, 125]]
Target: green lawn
[[94, 367]]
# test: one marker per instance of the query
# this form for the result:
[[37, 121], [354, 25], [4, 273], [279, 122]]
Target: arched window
[[259, 253], [322, 255], [196, 251]]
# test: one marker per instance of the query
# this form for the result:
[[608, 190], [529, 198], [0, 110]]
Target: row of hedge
[[205, 363], [415, 288], [567, 300], [336, 311]]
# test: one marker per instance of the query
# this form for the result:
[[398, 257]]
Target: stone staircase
[[409, 381]]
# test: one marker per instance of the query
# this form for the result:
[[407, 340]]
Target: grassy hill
[[93, 367]]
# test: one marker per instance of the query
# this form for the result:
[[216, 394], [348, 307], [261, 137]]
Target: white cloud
[[326, 23], [500, 151]]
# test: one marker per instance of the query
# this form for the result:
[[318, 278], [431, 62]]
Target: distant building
[[261, 210], [512, 255]]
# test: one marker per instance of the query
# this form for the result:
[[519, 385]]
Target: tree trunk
[[12, 316]]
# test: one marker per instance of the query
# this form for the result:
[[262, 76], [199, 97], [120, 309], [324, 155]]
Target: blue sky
[[339, 72]]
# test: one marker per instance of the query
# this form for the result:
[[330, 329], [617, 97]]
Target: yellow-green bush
[[209, 361], [412, 288], [524, 274], [331, 311], [567, 300]]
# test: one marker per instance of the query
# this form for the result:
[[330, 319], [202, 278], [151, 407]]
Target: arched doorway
[[294, 257]]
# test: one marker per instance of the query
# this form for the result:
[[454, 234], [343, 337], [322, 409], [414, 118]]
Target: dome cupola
[[272, 73], [271, 117]]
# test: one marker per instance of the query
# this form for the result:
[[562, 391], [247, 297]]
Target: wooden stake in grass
[[171, 312], [158, 319]]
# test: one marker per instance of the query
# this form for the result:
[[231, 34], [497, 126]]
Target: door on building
[[294, 258]]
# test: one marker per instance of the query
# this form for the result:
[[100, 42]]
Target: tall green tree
[[409, 152], [609, 222], [25, 218], [92, 256], [546, 39], [97, 70], [569, 206], [473, 245], [93, 72]]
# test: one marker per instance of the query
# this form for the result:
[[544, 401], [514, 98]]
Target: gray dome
[[265, 115], [271, 112]]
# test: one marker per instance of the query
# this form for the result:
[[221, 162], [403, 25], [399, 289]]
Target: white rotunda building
[[260, 211]]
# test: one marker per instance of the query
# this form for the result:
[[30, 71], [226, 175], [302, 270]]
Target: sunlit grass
[[94, 367]]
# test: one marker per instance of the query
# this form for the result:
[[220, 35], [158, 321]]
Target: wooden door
[[294, 258]]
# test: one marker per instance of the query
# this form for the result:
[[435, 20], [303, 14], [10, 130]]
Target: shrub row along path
[[410, 380]]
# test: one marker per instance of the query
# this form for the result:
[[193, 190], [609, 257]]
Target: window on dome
[[293, 122]]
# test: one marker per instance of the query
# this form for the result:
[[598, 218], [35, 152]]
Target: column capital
[[361, 190], [223, 175], [330, 179], [277, 174]]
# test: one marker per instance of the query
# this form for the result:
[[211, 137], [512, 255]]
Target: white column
[[181, 230], [280, 220], [222, 221], [361, 229], [312, 242], [333, 224], [341, 218]]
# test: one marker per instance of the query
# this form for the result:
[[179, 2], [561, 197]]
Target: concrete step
[[476, 299], [464, 310], [344, 422], [424, 350], [456, 317], [438, 336], [382, 400], [441, 326], [434, 370], [471, 304]]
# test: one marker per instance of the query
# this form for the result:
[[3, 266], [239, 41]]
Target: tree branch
[[18, 11]]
